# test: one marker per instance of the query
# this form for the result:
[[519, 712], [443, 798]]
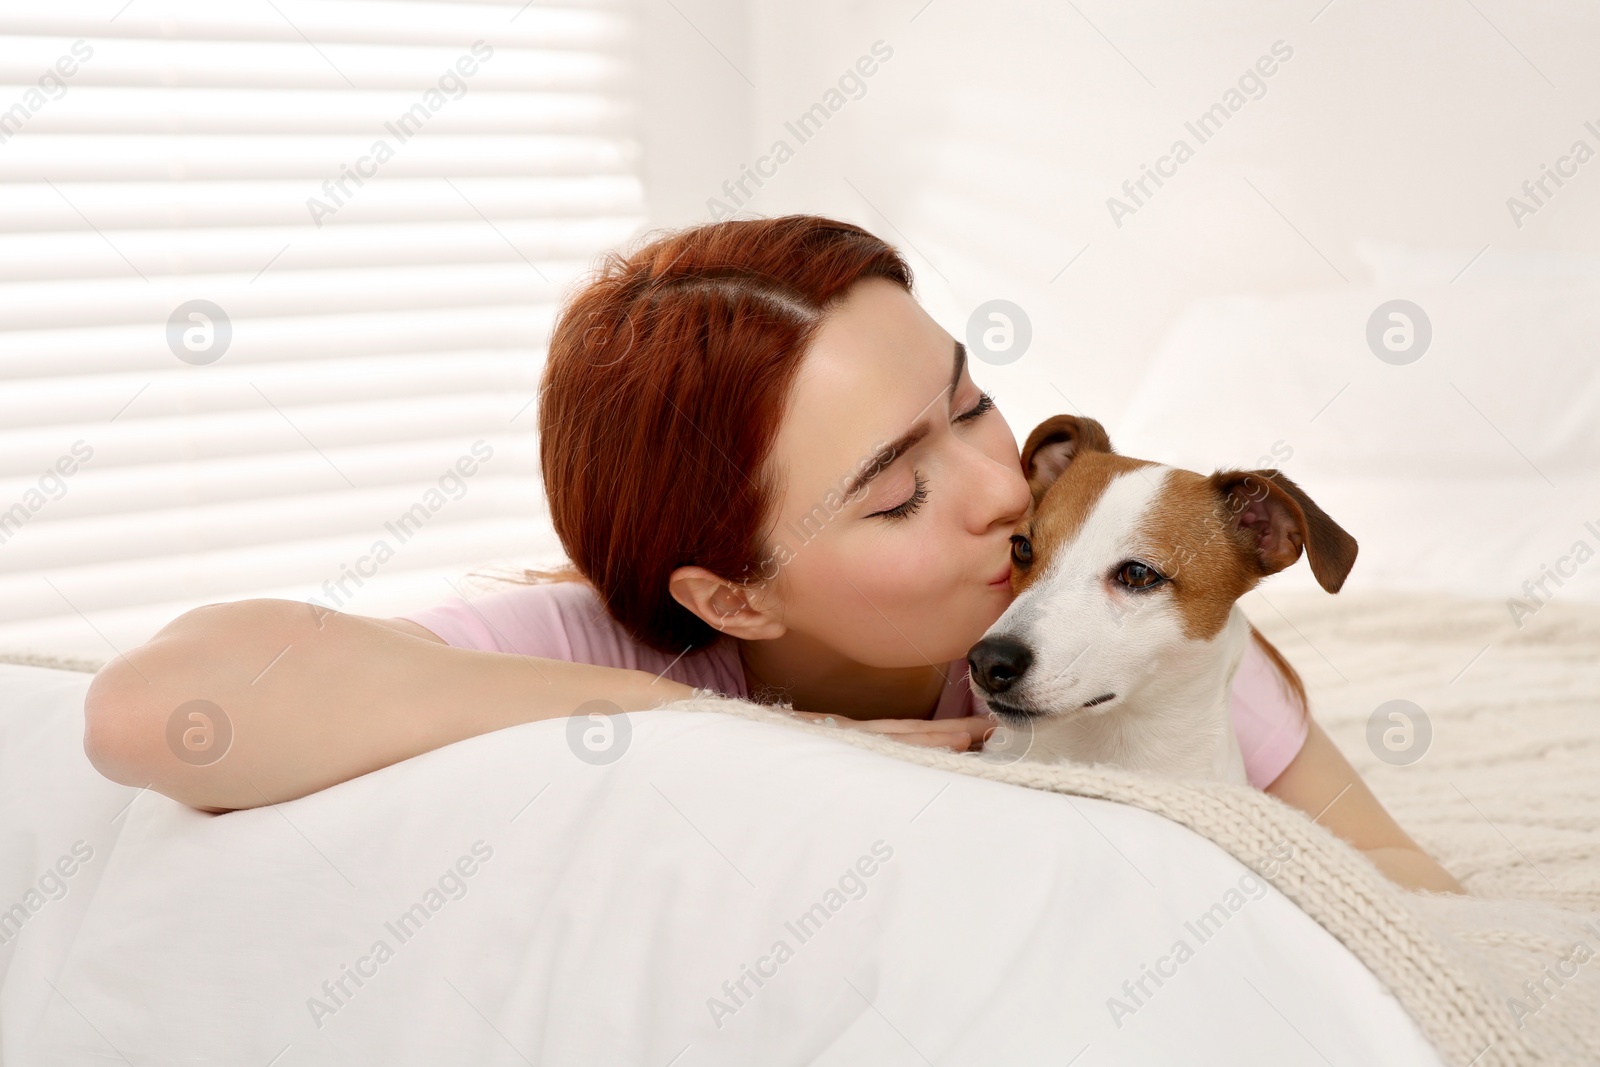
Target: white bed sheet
[[619, 898]]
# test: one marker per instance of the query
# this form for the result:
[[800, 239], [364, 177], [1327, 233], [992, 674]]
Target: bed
[[623, 911], [540, 907]]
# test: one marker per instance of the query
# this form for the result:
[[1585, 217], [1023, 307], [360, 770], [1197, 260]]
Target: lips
[[1004, 577]]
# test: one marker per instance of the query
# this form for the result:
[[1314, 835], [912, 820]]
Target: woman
[[715, 419]]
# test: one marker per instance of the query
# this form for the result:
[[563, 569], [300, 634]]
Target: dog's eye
[[1021, 550], [1136, 575]]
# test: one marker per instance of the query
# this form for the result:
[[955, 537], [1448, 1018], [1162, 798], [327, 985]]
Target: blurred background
[[276, 275]]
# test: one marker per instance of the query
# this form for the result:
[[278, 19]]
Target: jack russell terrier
[[1123, 639]]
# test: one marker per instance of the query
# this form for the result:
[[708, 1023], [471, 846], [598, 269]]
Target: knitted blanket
[[1506, 796]]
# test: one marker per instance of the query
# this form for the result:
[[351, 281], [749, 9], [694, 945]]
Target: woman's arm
[[1320, 782], [316, 697]]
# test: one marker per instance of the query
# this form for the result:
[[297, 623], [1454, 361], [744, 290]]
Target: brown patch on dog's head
[[1069, 458], [1192, 544], [1222, 534]]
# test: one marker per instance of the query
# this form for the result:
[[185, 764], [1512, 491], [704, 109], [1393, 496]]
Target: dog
[[1123, 639]]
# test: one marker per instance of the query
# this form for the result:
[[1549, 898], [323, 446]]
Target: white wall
[[695, 100], [989, 144]]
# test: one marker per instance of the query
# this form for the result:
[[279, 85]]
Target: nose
[[995, 663], [998, 491]]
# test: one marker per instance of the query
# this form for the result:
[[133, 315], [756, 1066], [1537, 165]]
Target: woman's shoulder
[[525, 618], [1268, 721]]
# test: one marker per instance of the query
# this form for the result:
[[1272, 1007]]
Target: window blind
[[275, 279]]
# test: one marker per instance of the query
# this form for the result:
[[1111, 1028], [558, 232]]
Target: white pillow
[[1508, 386]]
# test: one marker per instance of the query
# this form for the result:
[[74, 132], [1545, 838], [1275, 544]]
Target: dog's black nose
[[995, 663]]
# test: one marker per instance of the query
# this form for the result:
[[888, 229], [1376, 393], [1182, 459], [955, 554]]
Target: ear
[[1053, 445], [748, 612], [1279, 518]]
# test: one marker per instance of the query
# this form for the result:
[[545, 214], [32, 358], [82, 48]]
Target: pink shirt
[[565, 621]]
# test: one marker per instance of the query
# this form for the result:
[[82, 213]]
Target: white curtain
[[274, 284]]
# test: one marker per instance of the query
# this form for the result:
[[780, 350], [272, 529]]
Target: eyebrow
[[891, 452]]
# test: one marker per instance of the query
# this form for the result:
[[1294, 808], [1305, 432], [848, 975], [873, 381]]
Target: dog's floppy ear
[[1280, 518], [1054, 443]]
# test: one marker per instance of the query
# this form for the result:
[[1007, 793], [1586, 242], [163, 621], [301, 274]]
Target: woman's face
[[915, 566]]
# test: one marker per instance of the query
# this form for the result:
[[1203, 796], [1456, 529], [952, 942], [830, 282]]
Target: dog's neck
[[1180, 724]]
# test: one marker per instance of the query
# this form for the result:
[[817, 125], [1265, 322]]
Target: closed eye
[[985, 403], [911, 504]]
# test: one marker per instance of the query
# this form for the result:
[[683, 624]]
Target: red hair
[[667, 379]]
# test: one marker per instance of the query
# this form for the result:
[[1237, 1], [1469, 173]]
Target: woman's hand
[[959, 735]]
